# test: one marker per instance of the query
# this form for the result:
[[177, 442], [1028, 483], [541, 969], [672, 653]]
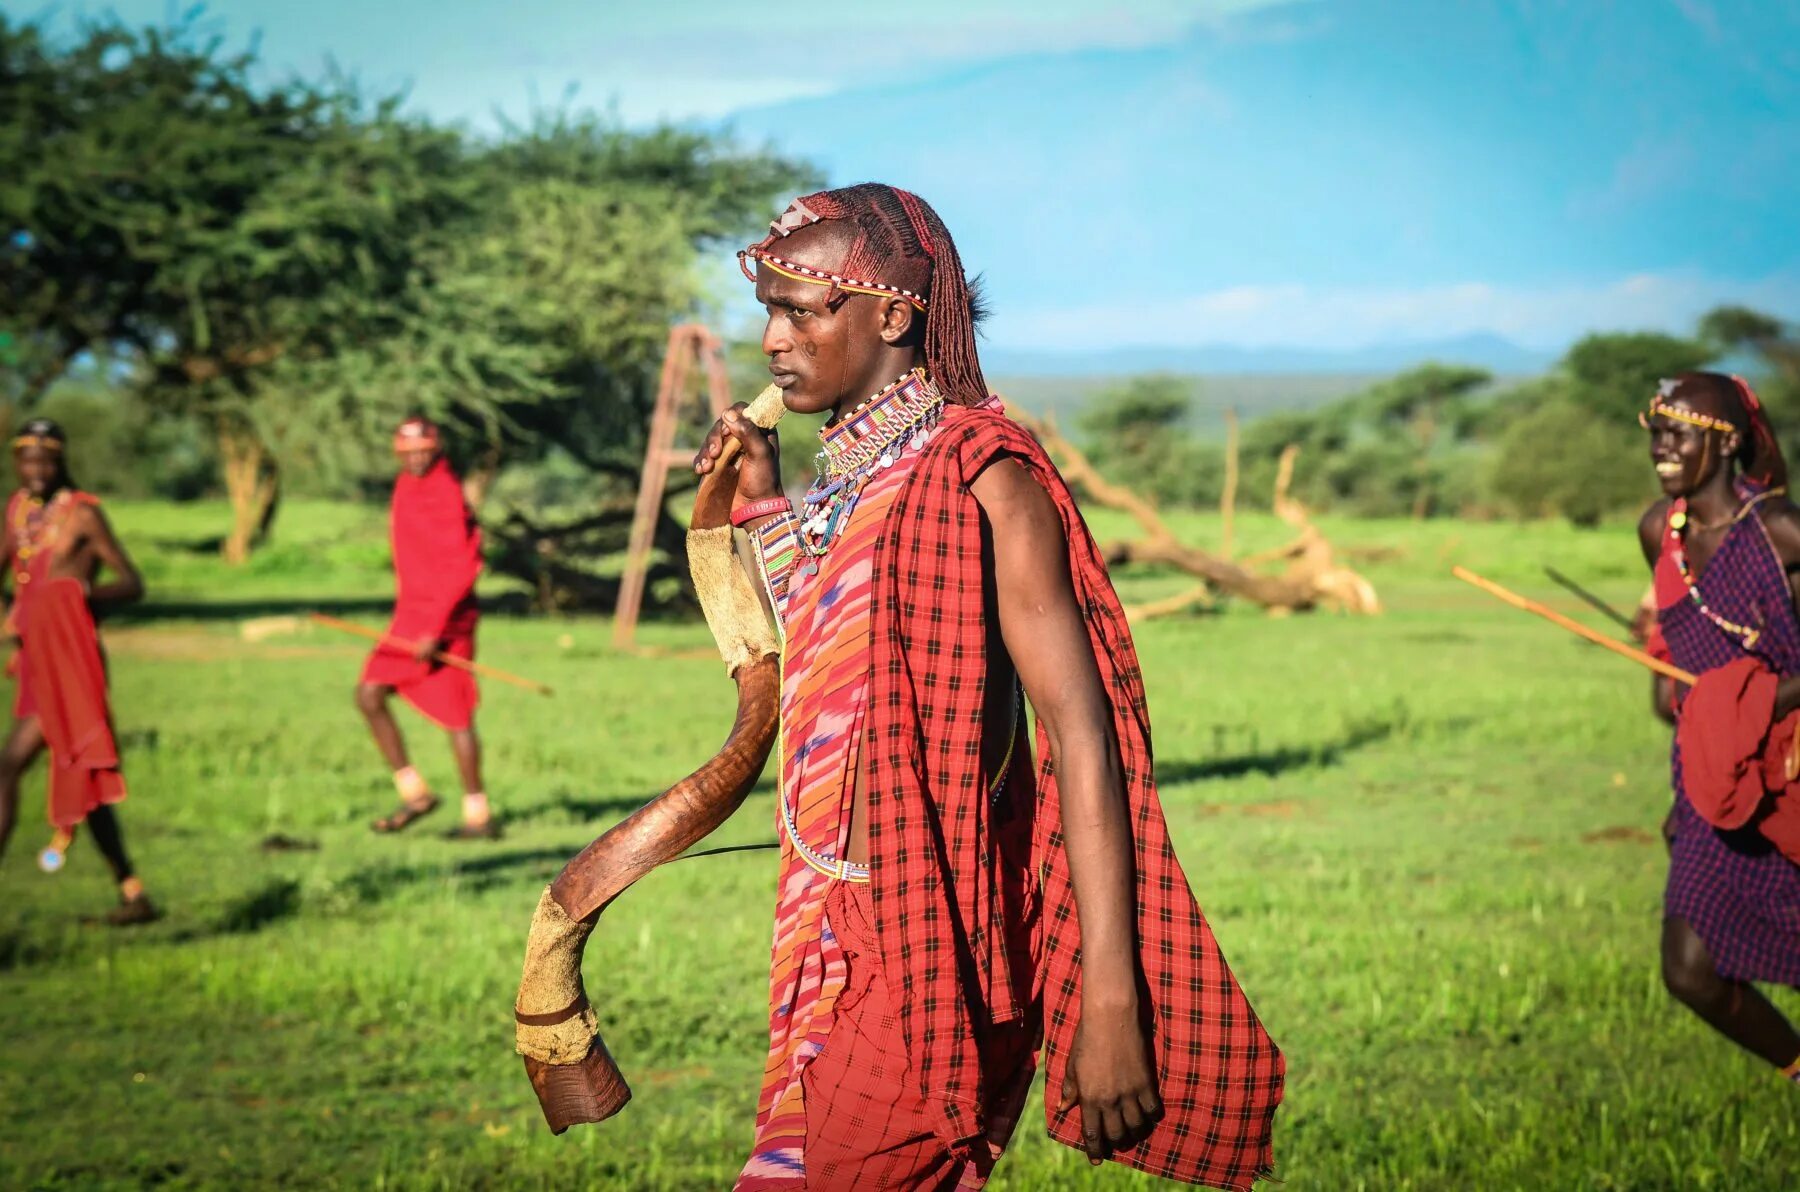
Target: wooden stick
[[1600, 606], [1573, 626], [447, 659]]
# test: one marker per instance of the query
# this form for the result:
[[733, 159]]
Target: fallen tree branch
[[1311, 579]]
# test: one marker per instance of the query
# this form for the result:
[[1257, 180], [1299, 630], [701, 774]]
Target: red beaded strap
[[762, 508]]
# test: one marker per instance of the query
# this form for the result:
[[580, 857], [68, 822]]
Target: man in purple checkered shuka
[[1723, 544]]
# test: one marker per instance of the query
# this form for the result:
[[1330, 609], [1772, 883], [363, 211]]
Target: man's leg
[[134, 905], [23, 745], [477, 817], [1733, 1008], [416, 798]]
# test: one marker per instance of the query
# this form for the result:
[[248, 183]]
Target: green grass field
[[1426, 841]]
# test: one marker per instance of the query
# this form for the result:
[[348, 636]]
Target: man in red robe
[[944, 906], [56, 543], [437, 557]]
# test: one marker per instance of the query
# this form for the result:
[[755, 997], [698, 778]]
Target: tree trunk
[[1228, 498], [1427, 433], [252, 483]]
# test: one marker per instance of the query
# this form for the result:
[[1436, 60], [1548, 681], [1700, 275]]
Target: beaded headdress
[[1660, 408], [41, 433], [416, 434], [900, 248], [1760, 453]]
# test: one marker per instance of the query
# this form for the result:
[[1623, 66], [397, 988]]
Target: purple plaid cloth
[[1734, 888]]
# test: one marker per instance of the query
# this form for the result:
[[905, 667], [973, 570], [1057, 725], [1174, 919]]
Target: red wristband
[[762, 508]]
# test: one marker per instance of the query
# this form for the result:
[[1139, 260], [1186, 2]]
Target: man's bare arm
[[125, 584], [1046, 635]]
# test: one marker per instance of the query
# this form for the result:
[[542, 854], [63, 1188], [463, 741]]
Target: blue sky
[[1254, 173]]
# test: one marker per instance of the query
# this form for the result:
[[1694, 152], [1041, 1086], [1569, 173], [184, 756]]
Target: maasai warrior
[[1724, 550], [437, 558], [944, 907], [56, 543]]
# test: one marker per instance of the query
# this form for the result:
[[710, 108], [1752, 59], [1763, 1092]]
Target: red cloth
[[938, 880], [437, 558], [1734, 760], [63, 679], [59, 669], [868, 1125]]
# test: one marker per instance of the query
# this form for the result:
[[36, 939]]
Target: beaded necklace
[[846, 870], [35, 526], [1678, 518], [857, 447]]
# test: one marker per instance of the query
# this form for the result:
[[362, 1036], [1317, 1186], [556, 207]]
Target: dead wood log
[[1311, 578]]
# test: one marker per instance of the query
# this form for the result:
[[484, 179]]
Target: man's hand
[[1109, 1077], [426, 648], [757, 463]]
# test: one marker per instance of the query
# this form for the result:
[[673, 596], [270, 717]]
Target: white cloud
[[1346, 318], [1654, 165], [708, 60]]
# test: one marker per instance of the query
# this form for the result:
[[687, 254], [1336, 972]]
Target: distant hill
[[1482, 351], [1251, 394], [1253, 382]]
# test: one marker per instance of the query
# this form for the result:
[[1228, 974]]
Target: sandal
[[131, 913], [407, 813], [488, 829]]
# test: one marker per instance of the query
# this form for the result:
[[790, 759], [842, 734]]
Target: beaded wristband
[[762, 508]]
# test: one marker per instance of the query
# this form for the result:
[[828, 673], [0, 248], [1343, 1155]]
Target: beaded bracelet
[[762, 508]]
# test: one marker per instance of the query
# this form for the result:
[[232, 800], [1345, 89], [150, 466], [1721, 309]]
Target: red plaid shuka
[[935, 876]]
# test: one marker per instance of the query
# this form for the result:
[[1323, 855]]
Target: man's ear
[[897, 320]]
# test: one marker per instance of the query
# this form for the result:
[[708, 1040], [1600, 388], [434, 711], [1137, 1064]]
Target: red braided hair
[[902, 245]]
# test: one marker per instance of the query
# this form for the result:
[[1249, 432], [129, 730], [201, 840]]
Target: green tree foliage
[[295, 265], [1568, 443], [1397, 448], [1773, 348], [1137, 432], [540, 328], [1559, 459], [1612, 375]]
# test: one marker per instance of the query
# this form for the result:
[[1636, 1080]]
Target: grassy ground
[[1426, 841]]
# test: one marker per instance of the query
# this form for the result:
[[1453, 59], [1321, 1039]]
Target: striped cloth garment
[[1733, 887], [825, 674]]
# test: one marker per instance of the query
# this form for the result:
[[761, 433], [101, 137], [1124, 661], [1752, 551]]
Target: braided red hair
[[901, 244]]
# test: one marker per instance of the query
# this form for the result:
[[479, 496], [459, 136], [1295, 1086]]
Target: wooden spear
[[476, 668], [1573, 626]]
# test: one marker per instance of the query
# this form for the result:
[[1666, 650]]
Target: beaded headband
[[415, 436], [1660, 407], [21, 442], [819, 277], [1703, 421]]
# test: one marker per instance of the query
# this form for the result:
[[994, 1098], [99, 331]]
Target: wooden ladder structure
[[689, 344]]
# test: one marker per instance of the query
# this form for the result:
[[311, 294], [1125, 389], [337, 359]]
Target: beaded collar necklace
[[844, 869], [1678, 519], [35, 526], [863, 443]]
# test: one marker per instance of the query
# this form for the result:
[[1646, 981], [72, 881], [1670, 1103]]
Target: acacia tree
[[296, 265], [1567, 443], [1420, 405], [1775, 346], [165, 206]]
